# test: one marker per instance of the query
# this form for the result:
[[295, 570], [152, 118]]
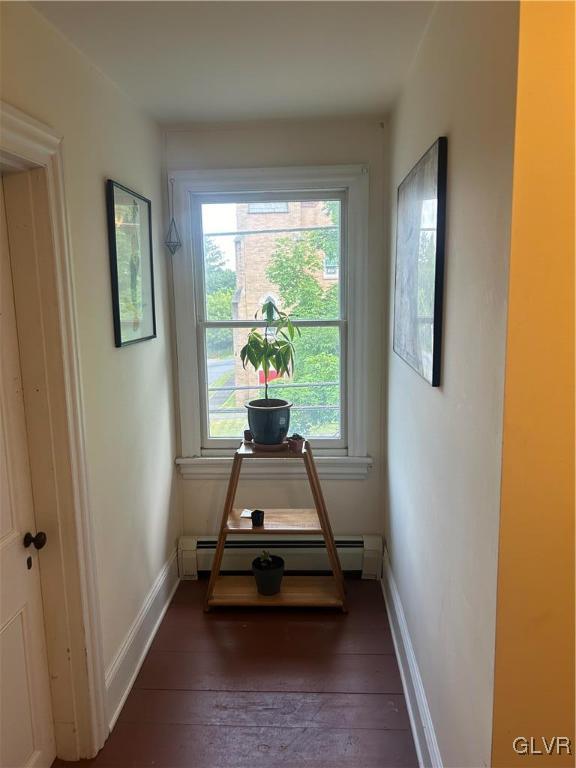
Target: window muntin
[[243, 258]]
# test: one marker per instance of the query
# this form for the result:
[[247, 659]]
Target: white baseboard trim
[[420, 719], [122, 672]]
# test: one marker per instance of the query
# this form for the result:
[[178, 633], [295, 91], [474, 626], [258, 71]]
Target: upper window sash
[[321, 181], [195, 202]]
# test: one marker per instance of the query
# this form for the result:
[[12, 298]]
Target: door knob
[[39, 540]]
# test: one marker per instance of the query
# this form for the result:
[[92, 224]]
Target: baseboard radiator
[[360, 554]]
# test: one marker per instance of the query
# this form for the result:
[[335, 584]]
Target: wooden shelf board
[[296, 521], [248, 451], [314, 591]]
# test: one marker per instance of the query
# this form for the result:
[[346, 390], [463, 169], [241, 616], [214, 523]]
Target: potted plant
[[273, 349], [268, 571], [296, 443]]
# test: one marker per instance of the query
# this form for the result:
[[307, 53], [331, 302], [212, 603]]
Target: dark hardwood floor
[[248, 688]]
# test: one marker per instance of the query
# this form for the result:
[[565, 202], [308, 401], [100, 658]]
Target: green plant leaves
[[260, 351], [253, 351]]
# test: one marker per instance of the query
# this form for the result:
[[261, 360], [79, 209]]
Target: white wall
[[355, 506], [127, 392], [444, 445]]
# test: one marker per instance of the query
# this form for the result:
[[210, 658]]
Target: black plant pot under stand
[[313, 591]]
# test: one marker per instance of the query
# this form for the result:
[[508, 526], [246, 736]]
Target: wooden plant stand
[[320, 591]]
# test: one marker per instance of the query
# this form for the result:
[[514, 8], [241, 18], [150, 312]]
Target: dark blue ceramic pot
[[269, 420]]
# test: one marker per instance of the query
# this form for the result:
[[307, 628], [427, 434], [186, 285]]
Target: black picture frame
[[129, 217], [419, 271]]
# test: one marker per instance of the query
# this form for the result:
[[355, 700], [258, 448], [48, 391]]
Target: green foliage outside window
[[220, 287]]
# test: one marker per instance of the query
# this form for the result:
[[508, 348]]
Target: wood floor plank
[[360, 617], [140, 745], [288, 710], [367, 615], [184, 629], [268, 671]]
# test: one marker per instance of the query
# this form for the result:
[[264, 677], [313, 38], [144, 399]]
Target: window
[[234, 261], [277, 206], [241, 264]]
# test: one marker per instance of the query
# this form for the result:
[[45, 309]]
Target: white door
[[27, 736]]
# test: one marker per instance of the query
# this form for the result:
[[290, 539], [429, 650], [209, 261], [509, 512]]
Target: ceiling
[[220, 61]]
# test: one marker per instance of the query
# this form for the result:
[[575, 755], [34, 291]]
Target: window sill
[[329, 468]]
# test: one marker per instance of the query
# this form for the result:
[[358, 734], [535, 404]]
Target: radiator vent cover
[[358, 554]]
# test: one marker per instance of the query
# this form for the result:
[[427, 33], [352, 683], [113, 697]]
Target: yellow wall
[[534, 673]]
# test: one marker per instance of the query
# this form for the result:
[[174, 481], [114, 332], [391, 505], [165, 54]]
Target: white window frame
[[349, 461]]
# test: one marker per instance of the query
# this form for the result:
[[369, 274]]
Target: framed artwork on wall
[[131, 265], [419, 274]]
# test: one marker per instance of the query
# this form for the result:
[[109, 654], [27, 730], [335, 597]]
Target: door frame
[[56, 422]]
